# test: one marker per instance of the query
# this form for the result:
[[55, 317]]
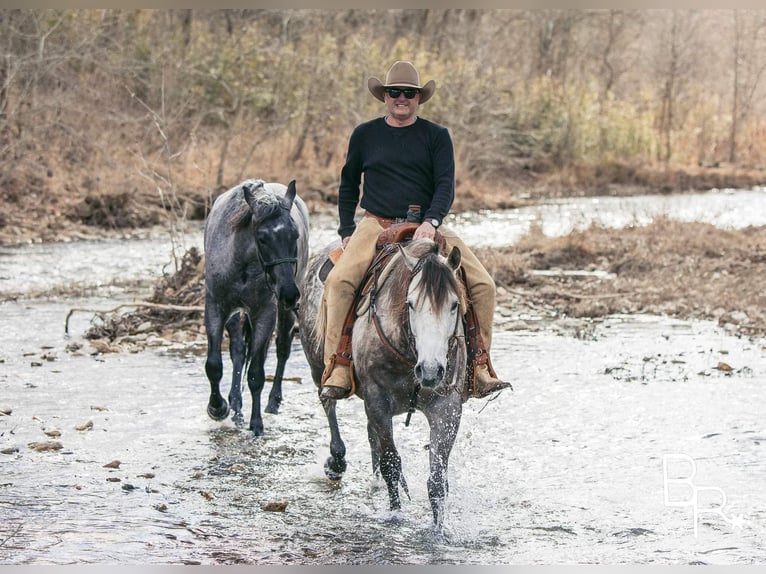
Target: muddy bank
[[681, 270], [33, 213]]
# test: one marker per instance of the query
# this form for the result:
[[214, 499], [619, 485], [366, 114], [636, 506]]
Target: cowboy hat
[[402, 75]]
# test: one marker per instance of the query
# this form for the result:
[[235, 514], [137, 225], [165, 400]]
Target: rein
[[376, 319], [278, 261]]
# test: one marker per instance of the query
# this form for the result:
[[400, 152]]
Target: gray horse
[[409, 354], [256, 253]]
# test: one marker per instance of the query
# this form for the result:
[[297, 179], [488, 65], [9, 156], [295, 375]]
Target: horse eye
[[454, 307], [410, 305]]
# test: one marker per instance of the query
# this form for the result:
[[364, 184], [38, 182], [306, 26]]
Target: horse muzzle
[[288, 297], [430, 374]]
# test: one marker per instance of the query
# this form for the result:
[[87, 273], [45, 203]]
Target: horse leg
[[335, 465], [284, 341], [372, 438], [256, 376], [380, 424], [238, 354], [217, 409], [444, 425]]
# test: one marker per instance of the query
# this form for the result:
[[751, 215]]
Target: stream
[[602, 453]]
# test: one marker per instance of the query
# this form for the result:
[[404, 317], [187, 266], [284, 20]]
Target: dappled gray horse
[[256, 252], [409, 354]]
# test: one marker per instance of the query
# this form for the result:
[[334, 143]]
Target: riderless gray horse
[[256, 253], [409, 354]]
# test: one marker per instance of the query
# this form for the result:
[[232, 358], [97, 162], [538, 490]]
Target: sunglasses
[[409, 93]]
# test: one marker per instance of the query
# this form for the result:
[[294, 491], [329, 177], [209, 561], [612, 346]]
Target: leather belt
[[385, 222]]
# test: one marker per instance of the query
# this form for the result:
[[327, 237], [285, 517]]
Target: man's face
[[400, 107]]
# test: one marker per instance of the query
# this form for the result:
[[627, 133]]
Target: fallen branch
[[165, 307], [11, 535]]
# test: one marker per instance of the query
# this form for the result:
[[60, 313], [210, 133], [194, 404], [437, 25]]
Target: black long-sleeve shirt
[[401, 166]]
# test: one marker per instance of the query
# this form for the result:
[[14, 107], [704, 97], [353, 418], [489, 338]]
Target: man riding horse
[[406, 161]]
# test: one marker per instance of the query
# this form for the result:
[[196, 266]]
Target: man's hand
[[425, 231]]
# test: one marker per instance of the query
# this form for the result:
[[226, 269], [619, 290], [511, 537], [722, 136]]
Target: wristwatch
[[435, 222]]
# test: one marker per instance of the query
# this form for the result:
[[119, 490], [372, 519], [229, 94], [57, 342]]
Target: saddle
[[386, 248]]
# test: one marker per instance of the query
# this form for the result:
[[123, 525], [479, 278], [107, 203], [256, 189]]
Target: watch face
[[435, 222]]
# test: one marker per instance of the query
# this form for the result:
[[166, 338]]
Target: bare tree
[[676, 65], [748, 66]]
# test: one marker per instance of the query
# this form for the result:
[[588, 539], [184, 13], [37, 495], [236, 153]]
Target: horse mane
[[267, 205]]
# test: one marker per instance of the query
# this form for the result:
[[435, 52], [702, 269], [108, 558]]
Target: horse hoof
[[257, 430], [238, 419], [272, 409], [218, 414], [333, 470]]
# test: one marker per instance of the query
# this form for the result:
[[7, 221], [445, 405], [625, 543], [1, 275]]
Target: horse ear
[[454, 258], [290, 193], [409, 260]]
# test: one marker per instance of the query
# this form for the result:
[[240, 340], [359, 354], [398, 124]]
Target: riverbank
[[81, 212], [682, 270]]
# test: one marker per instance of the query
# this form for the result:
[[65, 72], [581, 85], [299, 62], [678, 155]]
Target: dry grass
[[686, 270]]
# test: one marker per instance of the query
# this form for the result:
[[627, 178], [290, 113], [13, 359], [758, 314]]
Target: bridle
[[391, 348], [274, 262]]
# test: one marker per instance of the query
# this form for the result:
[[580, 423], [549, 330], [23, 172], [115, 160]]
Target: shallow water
[[732, 209], [567, 468]]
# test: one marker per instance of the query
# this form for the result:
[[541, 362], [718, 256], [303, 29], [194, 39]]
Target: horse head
[[435, 298], [276, 237]]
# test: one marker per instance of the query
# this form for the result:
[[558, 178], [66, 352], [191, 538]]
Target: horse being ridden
[[409, 353], [256, 252]]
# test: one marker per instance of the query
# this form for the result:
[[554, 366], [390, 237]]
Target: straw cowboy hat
[[402, 75]]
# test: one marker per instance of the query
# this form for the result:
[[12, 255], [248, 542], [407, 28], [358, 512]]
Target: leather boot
[[486, 383], [337, 384]]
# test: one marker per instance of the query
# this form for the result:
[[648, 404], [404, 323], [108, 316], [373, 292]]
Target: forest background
[[118, 118]]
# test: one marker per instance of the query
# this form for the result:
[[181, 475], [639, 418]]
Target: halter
[[408, 335], [275, 262]]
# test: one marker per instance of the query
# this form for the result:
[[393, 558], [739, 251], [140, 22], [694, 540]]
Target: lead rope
[[413, 402]]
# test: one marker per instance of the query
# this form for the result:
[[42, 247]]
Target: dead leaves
[[724, 367], [86, 426], [45, 446], [274, 506]]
